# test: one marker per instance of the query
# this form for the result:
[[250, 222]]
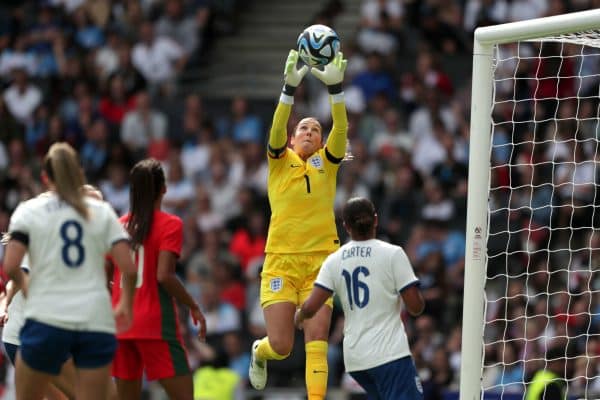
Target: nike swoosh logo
[[295, 165], [319, 372]]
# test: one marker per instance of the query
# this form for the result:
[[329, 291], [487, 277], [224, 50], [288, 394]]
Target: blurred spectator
[[381, 23], [180, 193], [22, 97], [87, 35], [116, 103], [222, 189], [207, 219], [226, 275], [451, 173], [158, 58], [248, 242], [128, 16], [392, 136], [132, 78], [432, 278], [144, 129], [86, 114], [221, 317], [402, 202], [440, 35], [106, 57], [429, 150], [196, 152], [16, 56], [255, 169], [116, 188], [430, 109], [428, 71], [94, 152], [375, 80], [179, 26], [241, 126]]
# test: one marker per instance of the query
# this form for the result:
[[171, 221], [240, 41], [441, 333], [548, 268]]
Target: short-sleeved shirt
[[154, 310], [67, 284], [368, 277]]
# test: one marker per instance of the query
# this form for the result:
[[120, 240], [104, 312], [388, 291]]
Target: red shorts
[[160, 359]]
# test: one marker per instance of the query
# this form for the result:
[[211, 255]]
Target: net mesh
[[543, 273]]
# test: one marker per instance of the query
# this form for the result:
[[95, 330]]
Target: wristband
[[288, 89], [335, 89]]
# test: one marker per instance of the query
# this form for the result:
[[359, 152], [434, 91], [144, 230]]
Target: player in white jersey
[[68, 311], [12, 318], [369, 276]]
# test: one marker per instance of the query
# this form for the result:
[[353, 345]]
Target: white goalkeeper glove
[[332, 74], [292, 75]]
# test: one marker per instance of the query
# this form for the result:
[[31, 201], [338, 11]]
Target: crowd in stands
[[103, 75]]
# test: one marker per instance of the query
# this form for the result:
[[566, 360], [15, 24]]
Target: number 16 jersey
[[154, 310], [368, 277]]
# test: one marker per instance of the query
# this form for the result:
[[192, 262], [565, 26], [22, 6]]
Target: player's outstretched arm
[[121, 254], [332, 75], [13, 256], [292, 79], [315, 301], [166, 277]]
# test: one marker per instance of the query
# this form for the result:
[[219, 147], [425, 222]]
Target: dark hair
[[147, 180], [359, 215]]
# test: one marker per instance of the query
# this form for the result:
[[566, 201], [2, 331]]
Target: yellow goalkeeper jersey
[[301, 193]]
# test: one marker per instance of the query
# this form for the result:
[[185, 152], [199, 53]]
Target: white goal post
[[564, 31]]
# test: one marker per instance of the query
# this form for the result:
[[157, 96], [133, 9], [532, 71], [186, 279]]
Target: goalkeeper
[[302, 231]]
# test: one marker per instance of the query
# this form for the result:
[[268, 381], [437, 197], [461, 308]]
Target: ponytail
[[61, 164], [147, 181]]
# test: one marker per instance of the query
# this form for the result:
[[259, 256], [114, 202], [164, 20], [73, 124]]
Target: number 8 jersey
[[368, 277], [67, 285]]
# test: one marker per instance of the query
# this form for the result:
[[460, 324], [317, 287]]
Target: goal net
[[533, 253]]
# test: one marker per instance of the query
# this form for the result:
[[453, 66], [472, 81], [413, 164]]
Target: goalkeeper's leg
[[277, 345], [316, 333]]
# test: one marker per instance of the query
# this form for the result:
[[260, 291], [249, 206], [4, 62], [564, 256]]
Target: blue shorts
[[11, 351], [396, 380], [45, 348]]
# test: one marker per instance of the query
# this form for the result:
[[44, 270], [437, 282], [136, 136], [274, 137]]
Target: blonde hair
[[61, 164]]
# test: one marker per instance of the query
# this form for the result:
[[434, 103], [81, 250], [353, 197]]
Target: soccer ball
[[318, 45]]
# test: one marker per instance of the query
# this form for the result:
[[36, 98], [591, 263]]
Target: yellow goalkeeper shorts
[[290, 277]]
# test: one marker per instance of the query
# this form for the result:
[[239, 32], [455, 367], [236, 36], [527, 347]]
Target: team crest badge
[[276, 284], [316, 162]]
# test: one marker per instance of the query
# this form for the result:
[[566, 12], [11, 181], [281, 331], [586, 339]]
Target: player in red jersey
[[154, 344]]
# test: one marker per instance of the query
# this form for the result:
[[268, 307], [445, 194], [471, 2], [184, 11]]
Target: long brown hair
[[61, 164], [147, 182]]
